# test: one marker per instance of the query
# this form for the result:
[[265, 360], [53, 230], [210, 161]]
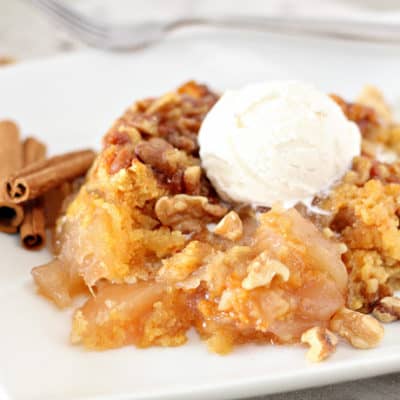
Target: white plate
[[69, 102]]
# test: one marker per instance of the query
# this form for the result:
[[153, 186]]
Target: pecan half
[[187, 213], [187, 142], [155, 153]]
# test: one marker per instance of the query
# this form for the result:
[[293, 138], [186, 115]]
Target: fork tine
[[75, 26], [64, 12], [105, 36]]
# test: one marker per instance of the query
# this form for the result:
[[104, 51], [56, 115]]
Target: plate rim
[[304, 379]]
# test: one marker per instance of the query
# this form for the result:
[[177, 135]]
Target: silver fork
[[128, 37]]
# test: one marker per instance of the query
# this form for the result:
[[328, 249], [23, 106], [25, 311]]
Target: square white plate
[[70, 102]]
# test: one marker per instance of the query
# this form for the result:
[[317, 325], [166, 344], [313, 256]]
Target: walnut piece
[[191, 180], [187, 213], [388, 309], [360, 330], [226, 300], [322, 343], [230, 227], [179, 266], [262, 270]]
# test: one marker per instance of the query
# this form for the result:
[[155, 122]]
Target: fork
[[130, 37]]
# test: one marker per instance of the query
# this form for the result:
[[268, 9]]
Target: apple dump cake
[[283, 226]]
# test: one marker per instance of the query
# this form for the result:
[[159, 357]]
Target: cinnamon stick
[[33, 151], [33, 230], [11, 215], [54, 201], [36, 179]]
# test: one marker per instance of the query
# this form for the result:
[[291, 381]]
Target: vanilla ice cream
[[279, 141]]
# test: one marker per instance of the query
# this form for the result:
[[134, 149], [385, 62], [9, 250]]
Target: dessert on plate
[[266, 215]]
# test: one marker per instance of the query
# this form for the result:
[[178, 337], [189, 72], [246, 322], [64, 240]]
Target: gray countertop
[[45, 39]]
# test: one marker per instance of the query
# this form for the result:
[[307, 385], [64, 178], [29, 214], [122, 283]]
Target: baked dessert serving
[[277, 223]]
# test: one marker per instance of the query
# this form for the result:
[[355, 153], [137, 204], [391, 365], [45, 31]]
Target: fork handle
[[346, 28]]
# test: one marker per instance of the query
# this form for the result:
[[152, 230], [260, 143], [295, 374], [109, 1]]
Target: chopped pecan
[[159, 104], [365, 117], [142, 105], [187, 142], [189, 125], [379, 170], [121, 134], [193, 89], [387, 309], [196, 99], [168, 163], [360, 330], [122, 158], [262, 270], [147, 124], [187, 213], [154, 152], [178, 159], [362, 169], [164, 134], [116, 137], [134, 135], [230, 226], [344, 217], [322, 343], [387, 173]]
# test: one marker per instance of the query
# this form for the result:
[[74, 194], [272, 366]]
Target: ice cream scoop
[[276, 142]]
